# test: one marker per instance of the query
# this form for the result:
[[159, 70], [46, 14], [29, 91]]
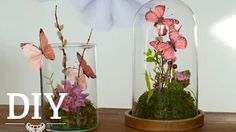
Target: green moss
[[166, 104], [85, 118]]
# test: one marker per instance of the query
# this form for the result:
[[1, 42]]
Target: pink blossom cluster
[[75, 96], [182, 76]]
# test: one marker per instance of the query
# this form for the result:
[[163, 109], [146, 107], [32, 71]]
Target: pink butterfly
[[86, 68], [168, 49], [35, 54], [178, 40], [156, 16], [72, 74]]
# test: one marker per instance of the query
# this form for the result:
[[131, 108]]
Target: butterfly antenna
[[179, 28]]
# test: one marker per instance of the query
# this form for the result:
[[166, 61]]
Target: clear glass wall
[[77, 78], [165, 73]]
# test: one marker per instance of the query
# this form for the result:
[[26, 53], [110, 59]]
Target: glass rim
[[74, 44]]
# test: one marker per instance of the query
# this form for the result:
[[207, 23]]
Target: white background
[[20, 20]]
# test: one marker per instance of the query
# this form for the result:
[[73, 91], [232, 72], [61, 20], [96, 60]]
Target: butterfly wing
[[179, 41], [86, 68], [168, 54], [33, 54], [159, 10], [163, 46], [159, 46], [150, 16], [153, 44], [45, 47], [170, 22], [89, 72]]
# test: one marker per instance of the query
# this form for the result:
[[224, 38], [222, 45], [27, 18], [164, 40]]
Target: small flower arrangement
[[168, 96], [77, 111]]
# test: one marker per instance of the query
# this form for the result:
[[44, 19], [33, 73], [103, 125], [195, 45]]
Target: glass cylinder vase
[[70, 82]]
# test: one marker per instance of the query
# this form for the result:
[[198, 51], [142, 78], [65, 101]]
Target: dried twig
[[62, 39], [82, 56]]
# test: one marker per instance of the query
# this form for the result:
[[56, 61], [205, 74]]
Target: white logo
[[35, 128]]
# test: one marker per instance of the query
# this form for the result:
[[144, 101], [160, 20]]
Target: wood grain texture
[[164, 125], [112, 120]]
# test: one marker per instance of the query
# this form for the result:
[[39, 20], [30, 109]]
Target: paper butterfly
[[159, 21], [35, 54], [168, 48], [86, 68]]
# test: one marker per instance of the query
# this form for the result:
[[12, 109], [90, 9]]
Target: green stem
[[50, 82], [162, 71]]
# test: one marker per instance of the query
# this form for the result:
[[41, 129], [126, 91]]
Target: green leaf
[[147, 79], [148, 52], [150, 93], [150, 59], [50, 82], [148, 84], [176, 84]]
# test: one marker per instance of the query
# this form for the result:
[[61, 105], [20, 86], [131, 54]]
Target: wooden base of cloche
[[164, 125]]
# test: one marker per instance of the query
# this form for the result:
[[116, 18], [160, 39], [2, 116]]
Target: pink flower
[[182, 76], [72, 74], [74, 98]]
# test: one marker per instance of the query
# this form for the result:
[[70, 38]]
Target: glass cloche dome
[[165, 71]]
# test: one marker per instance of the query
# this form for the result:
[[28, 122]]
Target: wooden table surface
[[112, 120]]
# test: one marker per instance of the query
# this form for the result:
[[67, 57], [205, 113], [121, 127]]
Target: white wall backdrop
[[20, 21]]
